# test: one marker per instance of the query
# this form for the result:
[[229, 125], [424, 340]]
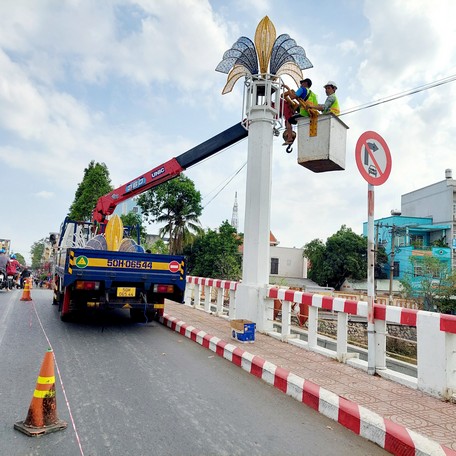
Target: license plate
[[126, 292]]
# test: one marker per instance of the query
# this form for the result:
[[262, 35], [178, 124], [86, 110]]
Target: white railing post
[[207, 298], [189, 288], [436, 356], [380, 341], [219, 302], [450, 342], [232, 304], [312, 339], [286, 319], [197, 296], [342, 337]]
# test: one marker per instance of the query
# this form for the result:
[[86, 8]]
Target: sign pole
[[373, 159], [370, 281]]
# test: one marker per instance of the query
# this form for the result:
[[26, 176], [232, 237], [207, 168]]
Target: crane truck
[[90, 275]]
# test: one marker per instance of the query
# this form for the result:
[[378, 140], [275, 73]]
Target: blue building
[[425, 226], [405, 237]]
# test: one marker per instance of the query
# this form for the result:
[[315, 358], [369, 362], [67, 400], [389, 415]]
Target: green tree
[[36, 253], [344, 255], [158, 246], [430, 285], [446, 303], [216, 254], [177, 204], [315, 251], [20, 258], [95, 183], [381, 260]]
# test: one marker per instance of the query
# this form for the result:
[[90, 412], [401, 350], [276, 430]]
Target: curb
[[392, 437]]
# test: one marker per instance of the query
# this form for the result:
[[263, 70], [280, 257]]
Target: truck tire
[[64, 305]]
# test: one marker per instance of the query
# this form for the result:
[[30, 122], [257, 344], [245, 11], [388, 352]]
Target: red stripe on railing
[[351, 307], [408, 317], [448, 323], [327, 303]]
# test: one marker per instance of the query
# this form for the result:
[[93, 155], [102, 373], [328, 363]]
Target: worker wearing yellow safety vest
[[332, 103], [305, 95]]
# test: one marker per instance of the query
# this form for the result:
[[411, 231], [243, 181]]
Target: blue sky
[[132, 84]]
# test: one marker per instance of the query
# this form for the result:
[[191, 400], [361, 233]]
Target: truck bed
[[88, 264]]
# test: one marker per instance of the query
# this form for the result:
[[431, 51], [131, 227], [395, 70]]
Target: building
[[405, 237], [289, 267], [425, 227], [437, 201]]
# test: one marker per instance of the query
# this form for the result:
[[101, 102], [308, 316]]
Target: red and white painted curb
[[393, 437]]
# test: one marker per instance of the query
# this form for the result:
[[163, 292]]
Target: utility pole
[[375, 254], [393, 241]]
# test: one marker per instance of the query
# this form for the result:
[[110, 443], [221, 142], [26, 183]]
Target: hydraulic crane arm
[[107, 204]]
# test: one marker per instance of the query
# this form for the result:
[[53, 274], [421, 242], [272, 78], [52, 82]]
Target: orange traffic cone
[[26, 296], [42, 414]]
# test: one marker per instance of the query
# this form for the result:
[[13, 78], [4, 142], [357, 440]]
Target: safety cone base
[[33, 431]]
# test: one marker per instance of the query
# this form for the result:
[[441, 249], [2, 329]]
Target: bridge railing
[[435, 332]]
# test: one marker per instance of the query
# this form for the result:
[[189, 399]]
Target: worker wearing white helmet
[[332, 103]]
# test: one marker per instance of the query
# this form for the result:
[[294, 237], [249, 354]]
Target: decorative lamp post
[[262, 64]]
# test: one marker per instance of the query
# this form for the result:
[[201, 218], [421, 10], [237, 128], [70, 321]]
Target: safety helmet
[[13, 256], [330, 83]]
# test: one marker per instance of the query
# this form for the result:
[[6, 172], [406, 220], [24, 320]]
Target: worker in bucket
[[304, 94], [332, 103]]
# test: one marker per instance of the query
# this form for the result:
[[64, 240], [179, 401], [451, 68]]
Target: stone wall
[[401, 339]]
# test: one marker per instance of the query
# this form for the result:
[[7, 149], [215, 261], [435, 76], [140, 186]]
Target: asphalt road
[[135, 389]]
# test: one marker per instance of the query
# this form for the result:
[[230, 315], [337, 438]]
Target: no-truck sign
[[373, 158]]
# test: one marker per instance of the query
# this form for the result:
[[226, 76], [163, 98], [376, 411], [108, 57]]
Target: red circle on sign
[[174, 266], [361, 144]]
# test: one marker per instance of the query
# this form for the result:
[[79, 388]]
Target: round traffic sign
[[373, 158], [174, 266]]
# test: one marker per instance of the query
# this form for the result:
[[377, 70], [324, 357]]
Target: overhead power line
[[402, 94], [232, 177]]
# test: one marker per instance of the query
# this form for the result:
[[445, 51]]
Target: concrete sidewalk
[[404, 421]]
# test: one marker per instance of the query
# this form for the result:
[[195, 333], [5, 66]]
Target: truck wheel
[[64, 305]]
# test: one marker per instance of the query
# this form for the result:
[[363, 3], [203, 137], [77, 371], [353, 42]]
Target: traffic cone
[[42, 414], [26, 296]]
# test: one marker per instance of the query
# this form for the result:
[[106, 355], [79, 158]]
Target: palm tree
[[182, 225], [177, 204]]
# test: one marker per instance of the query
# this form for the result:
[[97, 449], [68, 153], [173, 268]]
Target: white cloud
[[44, 194]]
